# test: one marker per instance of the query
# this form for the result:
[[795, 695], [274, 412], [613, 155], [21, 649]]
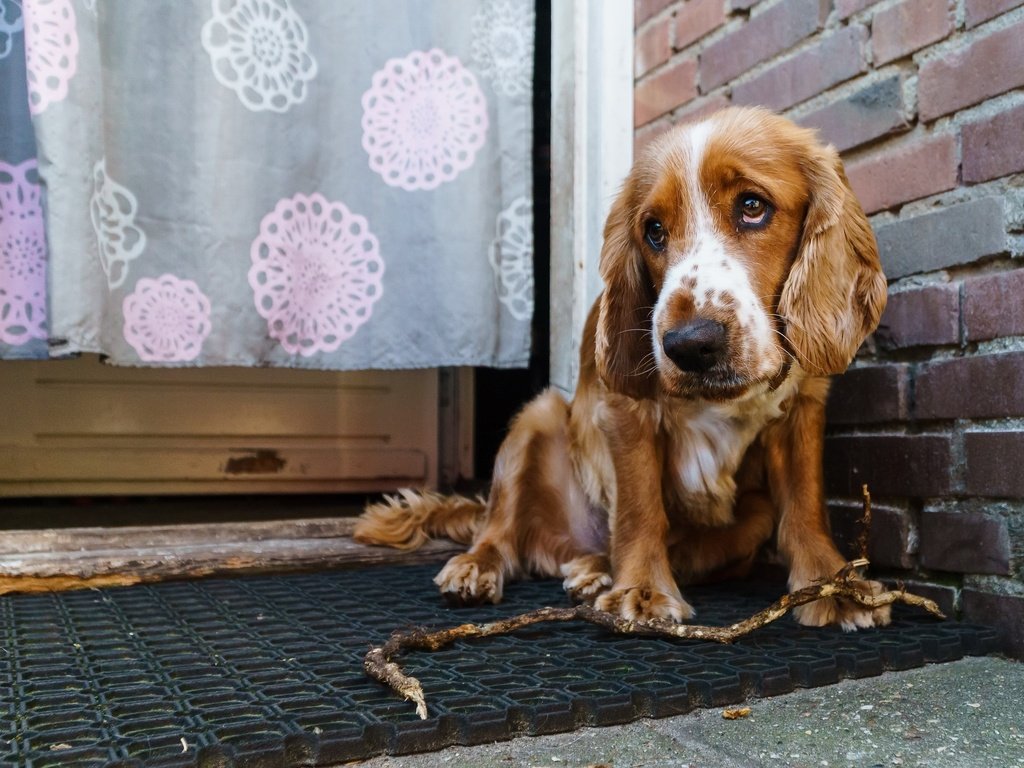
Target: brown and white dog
[[739, 272]]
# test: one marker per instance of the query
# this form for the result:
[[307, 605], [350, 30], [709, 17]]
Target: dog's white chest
[[705, 443]]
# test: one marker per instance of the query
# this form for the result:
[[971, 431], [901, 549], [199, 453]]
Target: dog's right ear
[[624, 355]]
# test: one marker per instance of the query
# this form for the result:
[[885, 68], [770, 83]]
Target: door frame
[[591, 153]]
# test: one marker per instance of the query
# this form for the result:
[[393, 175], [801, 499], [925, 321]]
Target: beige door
[[82, 427]]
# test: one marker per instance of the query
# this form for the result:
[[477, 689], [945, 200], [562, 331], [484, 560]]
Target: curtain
[[335, 184]]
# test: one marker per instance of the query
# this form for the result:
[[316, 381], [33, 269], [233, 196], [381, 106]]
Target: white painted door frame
[[591, 152]]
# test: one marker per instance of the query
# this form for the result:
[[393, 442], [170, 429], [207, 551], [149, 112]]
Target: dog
[[739, 273]]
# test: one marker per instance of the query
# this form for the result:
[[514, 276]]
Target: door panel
[[78, 426]]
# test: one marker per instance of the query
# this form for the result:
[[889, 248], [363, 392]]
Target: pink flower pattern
[[167, 319], [424, 118], [51, 51], [22, 255], [316, 273]]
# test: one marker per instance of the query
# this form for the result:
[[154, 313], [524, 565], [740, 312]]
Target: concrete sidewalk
[[960, 714]]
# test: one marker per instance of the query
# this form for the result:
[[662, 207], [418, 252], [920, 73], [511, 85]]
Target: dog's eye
[[655, 235], [753, 211]]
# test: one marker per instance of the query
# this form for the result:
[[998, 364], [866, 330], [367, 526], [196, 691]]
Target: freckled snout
[[696, 346]]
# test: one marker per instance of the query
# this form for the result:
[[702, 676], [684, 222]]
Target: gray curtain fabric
[[308, 183]]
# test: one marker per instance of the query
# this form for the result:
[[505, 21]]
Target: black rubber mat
[[267, 671]]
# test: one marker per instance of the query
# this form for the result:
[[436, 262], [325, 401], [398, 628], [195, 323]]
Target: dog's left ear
[[836, 291]]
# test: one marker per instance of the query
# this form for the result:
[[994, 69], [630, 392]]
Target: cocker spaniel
[[739, 272]]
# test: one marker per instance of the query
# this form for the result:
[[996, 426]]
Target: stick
[[379, 662], [865, 523]]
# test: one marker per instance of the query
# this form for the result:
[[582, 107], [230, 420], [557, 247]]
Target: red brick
[[920, 317], [874, 111], [693, 111], [1004, 612], [908, 26], [961, 233], [846, 8], [834, 59], [891, 465], [977, 11], [985, 67], [660, 93], [992, 465], [764, 35], [645, 9], [652, 46], [994, 146], [695, 19], [900, 174], [888, 536], [979, 387], [702, 107], [964, 542], [870, 395], [644, 136], [994, 305]]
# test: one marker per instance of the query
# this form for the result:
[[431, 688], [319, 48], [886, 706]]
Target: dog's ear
[[624, 356], [836, 291]]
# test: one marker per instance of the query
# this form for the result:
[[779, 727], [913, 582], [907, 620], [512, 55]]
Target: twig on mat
[[380, 663], [865, 524]]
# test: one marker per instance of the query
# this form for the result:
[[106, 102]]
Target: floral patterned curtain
[[310, 183]]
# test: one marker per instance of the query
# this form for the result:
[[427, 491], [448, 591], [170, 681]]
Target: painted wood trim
[[79, 558], [591, 153]]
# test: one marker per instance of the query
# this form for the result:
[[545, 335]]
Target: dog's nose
[[697, 346]]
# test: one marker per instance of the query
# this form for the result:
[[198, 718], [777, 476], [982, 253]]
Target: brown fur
[[654, 474]]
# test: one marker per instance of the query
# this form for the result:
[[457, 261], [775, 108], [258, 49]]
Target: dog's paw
[[586, 577], [466, 581], [845, 613], [644, 603]]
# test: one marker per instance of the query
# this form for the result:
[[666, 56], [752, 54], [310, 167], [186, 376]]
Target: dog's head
[[735, 248]]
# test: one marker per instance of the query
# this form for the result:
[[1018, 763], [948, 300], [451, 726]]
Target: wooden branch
[[408, 687], [380, 665], [865, 523]]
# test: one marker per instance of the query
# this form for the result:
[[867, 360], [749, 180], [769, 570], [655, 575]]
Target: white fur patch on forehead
[[698, 136], [682, 146], [707, 270], [699, 133]]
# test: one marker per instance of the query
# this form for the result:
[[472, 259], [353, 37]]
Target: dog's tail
[[410, 519]]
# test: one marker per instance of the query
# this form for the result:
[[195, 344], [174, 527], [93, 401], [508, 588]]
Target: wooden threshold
[[79, 558]]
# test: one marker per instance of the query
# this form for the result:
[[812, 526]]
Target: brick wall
[[925, 99]]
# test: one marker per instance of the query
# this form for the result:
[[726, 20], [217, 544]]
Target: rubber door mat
[[268, 670]]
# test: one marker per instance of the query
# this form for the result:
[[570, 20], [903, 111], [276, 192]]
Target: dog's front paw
[[586, 577], [466, 580], [644, 603], [845, 612]]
